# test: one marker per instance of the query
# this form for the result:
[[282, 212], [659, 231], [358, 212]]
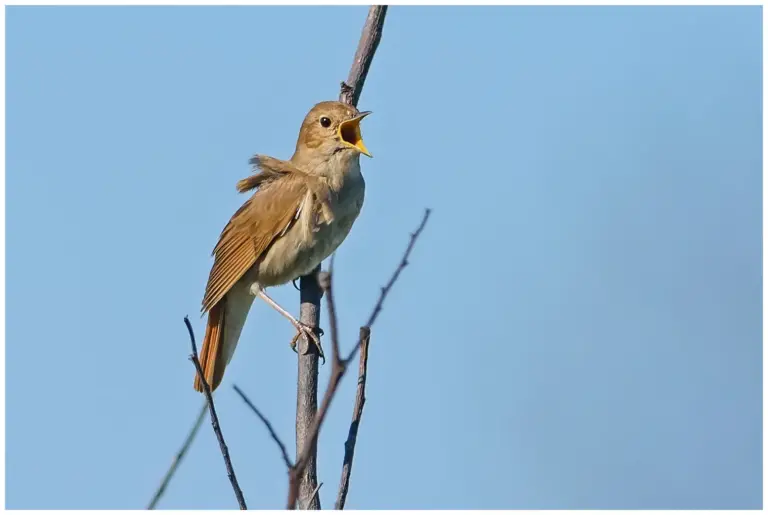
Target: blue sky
[[581, 323]]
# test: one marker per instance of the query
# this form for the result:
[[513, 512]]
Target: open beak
[[349, 132]]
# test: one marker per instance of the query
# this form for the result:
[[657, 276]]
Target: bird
[[301, 211]]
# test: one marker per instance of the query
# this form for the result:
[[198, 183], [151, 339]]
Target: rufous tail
[[212, 361]]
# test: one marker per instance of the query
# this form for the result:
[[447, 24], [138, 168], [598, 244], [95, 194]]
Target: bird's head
[[331, 128]]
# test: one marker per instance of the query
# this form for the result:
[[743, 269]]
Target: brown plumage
[[300, 213]]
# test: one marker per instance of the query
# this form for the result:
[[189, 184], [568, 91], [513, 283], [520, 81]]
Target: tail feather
[[211, 360], [225, 323]]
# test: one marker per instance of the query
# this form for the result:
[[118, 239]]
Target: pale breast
[[300, 250]]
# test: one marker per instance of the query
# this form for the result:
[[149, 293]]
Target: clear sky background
[[581, 323]]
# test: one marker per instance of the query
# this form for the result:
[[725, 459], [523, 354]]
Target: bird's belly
[[299, 251]]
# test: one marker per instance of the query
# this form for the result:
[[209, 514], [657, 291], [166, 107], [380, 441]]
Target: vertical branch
[[306, 397], [357, 413], [369, 42]]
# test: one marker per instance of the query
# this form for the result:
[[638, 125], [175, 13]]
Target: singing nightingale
[[301, 211]]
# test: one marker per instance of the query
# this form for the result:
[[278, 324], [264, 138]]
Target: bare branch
[[396, 274], [266, 422], [311, 294], [366, 48], [215, 419], [310, 445], [325, 285], [306, 388], [357, 413], [339, 364], [178, 457]]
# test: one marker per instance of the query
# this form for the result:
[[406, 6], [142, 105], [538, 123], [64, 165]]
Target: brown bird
[[301, 212]]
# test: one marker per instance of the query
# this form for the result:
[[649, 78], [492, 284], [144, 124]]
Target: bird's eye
[[325, 122]]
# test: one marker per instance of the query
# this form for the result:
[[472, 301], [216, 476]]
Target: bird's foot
[[309, 333]]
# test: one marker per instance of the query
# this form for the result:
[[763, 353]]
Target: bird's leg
[[301, 328]]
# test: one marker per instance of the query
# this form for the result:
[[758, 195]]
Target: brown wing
[[252, 229]]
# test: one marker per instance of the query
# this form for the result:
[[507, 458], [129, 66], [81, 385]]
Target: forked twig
[[340, 365]]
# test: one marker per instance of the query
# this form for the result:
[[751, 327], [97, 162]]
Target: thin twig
[[215, 419], [340, 365], [266, 422], [357, 413], [311, 294], [396, 274], [178, 457], [325, 284]]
